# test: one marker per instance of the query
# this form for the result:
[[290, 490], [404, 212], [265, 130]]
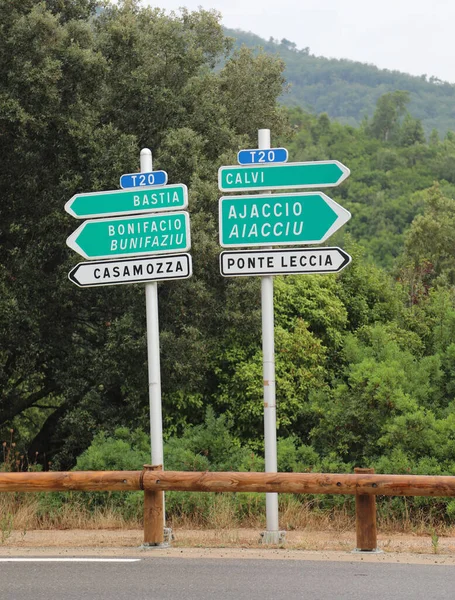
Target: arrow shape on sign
[[279, 219], [123, 202], [131, 270], [325, 173], [289, 261], [132, 236]]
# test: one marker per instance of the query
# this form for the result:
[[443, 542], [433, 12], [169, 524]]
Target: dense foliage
[[391, 164], [365, 360], [79, 96], [347, 90]]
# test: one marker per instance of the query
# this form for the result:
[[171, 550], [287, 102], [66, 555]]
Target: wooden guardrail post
[[153, 513], [365, 518]]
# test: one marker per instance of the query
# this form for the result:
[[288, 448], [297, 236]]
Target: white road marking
[[116, 560]]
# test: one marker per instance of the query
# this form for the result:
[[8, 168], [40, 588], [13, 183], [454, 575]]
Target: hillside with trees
[[347, 90], [365, 359]]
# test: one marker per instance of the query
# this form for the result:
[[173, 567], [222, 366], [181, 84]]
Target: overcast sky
[[413, 36]]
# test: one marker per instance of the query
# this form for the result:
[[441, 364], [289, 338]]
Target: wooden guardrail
[[66, 481], [364, 484]]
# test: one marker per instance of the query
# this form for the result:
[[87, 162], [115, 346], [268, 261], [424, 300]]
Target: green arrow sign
[[326, 173], [279, 219], [123, 202], [132, 236]]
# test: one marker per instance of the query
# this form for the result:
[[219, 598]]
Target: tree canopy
[[365, 359], [347, 90], [79, 96]]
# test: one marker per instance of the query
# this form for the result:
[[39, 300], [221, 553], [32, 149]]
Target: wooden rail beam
[[86, 481], [302, 483], [293, 483]]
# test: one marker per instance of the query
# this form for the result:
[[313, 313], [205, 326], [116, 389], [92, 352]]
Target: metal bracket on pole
[[272, 537]]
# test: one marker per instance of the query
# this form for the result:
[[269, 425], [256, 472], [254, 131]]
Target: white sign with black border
[[132, 270], [293, 261]]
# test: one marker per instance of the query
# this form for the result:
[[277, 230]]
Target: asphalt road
[[203, 579]]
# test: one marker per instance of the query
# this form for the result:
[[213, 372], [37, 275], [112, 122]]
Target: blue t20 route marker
[[132, 180], [253, 157]]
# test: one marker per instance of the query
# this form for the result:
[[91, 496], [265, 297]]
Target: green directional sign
[[279, 219], [326, 173], [123, 202], [132, 236]]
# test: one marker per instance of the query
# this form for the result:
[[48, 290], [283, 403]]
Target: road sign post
[[277, 220], [154, 238], [272, 534], [153, 355]]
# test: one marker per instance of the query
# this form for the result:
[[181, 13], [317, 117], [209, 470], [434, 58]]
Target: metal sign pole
[[154, 368], [272, 535], [153, 349]]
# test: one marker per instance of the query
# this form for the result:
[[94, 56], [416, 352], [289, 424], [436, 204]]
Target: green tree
[[431, 237], [249, 87], [72, 360], [389, 108], [383, 382], [411, 132]]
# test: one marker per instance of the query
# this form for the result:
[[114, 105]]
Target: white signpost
[[159, 240], [277, 220], [153, 350], [272, 534]]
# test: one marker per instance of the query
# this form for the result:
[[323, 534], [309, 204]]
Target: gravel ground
[[232, 543]]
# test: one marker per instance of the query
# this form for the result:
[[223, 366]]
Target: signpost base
[[168, 537], [272, 537]]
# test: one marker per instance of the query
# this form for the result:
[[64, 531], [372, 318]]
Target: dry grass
[[423, 522], [296, 515], [25, 512], [23, 523]]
